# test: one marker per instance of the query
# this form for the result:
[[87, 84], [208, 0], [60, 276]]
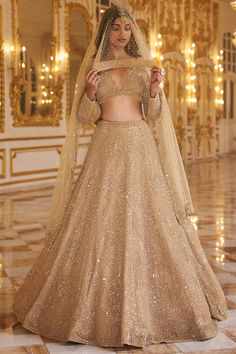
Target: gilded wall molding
[[201, 27], [18, 83], [68, 8], [27, 180], [137, 5], [15, 151], [171, 24], [3, 163], [145, 27], [205, 125], [2, 76]]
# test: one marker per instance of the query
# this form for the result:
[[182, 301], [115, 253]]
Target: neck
[[117, 53]]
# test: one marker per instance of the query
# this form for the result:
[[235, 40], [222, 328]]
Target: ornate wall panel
[[205, 124], [26, 160], [184, 40], [175, 73], [2, 76], [2, 163]]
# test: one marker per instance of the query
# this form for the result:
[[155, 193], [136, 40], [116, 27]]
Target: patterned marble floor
[[23, 216]]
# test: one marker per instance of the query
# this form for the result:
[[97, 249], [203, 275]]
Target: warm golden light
[[233, 5], [156, 47], [218, 80], [191, 77], [6, 48]]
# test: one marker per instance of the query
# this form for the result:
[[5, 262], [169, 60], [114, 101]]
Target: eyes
[[117, 27]]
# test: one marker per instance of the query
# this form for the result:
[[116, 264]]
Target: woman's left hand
[[156, 79]]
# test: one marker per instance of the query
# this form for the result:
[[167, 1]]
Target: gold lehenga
[[122, 265], [122, 269]]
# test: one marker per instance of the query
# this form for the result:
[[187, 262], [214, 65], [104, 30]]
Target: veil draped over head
[[100, 57]]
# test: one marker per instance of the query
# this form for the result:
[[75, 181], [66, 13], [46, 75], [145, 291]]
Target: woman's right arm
[[88, 102]]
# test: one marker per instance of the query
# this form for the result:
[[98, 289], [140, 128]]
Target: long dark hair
[[110, 15]]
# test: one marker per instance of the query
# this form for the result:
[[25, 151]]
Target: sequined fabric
[[133, 85], [122, 269], [136, 84]]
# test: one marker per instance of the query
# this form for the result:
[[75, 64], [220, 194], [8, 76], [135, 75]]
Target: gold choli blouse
[[136, 84]]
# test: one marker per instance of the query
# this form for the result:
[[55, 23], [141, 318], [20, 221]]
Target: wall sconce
[[219, 84], [191, 77], [156, 52]]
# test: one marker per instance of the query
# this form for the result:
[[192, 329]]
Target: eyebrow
[[118, 24]]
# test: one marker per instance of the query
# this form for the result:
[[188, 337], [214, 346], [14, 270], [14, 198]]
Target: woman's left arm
[[152, 93], [86, 109]]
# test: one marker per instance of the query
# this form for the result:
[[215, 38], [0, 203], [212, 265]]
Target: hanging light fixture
[[234, 38], [233, 5]]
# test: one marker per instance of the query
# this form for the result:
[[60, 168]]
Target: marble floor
[[23, 216]]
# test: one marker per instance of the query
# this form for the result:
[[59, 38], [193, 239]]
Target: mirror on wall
[[78, 45], [78, 33], [2, 91], [36, 88]]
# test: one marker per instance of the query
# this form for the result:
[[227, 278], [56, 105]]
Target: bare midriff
[[121, 108]]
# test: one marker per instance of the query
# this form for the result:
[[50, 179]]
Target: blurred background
[[42, 44]]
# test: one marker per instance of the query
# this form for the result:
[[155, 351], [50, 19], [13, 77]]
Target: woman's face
[[120, 33]]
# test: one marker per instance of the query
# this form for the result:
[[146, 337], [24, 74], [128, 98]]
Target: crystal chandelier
[[233, 5]]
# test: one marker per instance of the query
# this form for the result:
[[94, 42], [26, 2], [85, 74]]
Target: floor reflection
[[23, 218]]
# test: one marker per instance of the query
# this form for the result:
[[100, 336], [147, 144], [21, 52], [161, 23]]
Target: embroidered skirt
[[122, 269]]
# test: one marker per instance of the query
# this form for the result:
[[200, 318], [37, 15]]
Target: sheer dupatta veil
[[98, 56]]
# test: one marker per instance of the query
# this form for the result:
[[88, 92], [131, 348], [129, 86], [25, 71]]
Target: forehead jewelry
[[122, 15]]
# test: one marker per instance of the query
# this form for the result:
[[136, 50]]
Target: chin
[[121, 45]]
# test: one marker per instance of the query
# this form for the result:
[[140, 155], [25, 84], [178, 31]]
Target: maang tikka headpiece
[[122, 15]]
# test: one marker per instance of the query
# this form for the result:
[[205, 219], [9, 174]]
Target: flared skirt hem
[[77, 339]]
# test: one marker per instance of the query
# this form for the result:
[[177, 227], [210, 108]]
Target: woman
[[122, 262]]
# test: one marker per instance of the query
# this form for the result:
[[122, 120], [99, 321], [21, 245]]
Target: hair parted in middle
[[109, 17]]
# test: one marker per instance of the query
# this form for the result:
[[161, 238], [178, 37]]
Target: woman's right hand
[[91, 81]]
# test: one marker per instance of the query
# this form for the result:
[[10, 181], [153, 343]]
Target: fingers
[[96, 80], [157, 75], [156, 69], [92, 76]]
